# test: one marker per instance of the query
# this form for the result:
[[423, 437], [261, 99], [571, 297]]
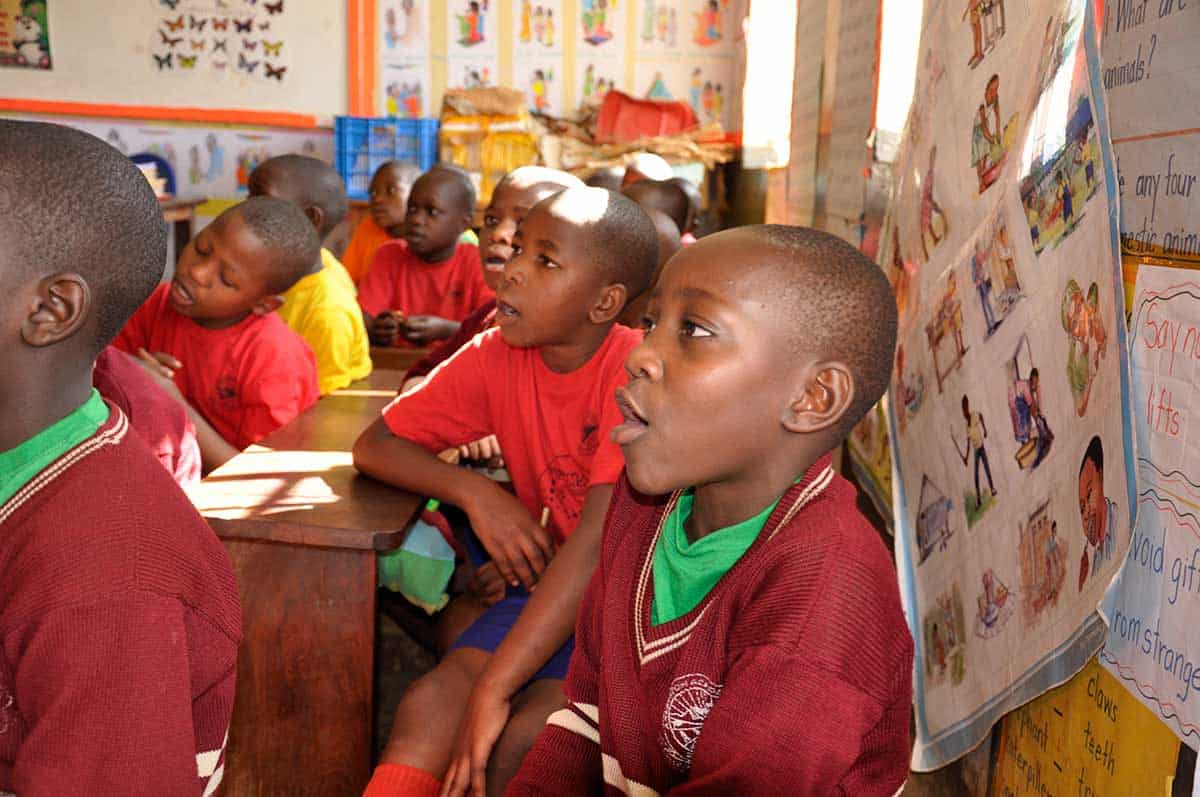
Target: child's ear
[[316, 214], [63, 302], [822, 400], [268, 304], [609, 304]]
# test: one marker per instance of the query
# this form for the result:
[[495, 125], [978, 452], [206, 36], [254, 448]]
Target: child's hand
[[161, 368], [385, 327], [484, 450], [486, 584], [520, 547], [422, 329]]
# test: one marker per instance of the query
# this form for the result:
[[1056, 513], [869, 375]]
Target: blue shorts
[[492, 626]]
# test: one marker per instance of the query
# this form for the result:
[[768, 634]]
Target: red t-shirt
[[157, 418], [399, 280], [553, 428], [247, 380]]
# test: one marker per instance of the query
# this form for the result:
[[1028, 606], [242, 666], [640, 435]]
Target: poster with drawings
[[405, 87], [25, 35], [542, 81], [538, 28], [404, 28], [600, 26], [711, 26], [246, 41], [472, 27], [1011, 361], [403, 44], [472, 71], [658, 25], [661, 79], [708, 85], [597, 77]]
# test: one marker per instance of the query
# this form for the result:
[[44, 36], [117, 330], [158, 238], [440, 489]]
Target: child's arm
[[545, 624], [215, 451], [519, 546]]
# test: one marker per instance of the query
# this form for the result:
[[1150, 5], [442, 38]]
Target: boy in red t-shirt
[[542, 383], [212, 336], [740, 596], [512, 198], [419, 289], [119, 618]]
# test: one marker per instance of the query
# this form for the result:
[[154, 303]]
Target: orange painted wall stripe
[[159, 112], [361, 55]]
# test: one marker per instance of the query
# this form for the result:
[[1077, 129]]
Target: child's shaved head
[[71, 203], [540, 178], [668, 245], [308, 182], [619, 236], [463, 187], [840, 305], [664, 195], [282, 227]]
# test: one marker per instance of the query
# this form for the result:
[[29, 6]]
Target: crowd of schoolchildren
[[676, 593]]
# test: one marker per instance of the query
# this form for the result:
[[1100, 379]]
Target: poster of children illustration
[[25, 34], [404, 27], [538, 27], [541, 78], [597, 78], [405, 87], [1010, 359], [472, 26], [602, 24]]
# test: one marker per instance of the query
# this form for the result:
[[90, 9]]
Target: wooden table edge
[[265, 529]]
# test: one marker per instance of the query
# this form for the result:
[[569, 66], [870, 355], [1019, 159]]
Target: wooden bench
[[302, 528]]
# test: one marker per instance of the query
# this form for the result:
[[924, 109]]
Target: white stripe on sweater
[[614, 777], [568, 720]]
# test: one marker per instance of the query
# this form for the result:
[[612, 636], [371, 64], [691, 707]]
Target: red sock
[[399, 780]]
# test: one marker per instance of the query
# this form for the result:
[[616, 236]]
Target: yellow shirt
[[323, 310], [369, 236]]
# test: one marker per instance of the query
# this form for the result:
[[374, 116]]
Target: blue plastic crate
[[362, 144]]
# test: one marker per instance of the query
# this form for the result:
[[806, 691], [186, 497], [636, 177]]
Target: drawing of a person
[[649, 18], [549, 42], [1052, 558], [718, 103], [540, 100], [1066, 196], [539, 25], [526, 32], [974, 11], [392, 34], [216, 158], [589, 82], [694, 90], [1097, 514], [939, 650], [707, 100], [474, 23], [412, 101], [1088, 340], [981, 148], [930, 207], [194, 171], [1044, 436], [976, 434], [672, 28], [663, 23], [983, 284], [658, 89]]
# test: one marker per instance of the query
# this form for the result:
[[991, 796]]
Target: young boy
[[389, 205], [212, 334], [156, 416], [512, 198], [419, 289], [541, 383], [743, 634], [322, 306], [663, 195], [119, 618]]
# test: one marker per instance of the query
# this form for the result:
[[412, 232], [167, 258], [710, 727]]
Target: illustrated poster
[[1153, 643], [25, 34], [404, 58], [245, 42], [600, 31], [1010, 385], [472, 27]]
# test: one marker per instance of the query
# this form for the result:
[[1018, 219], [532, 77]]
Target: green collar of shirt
[[685, 572], [19, 465]]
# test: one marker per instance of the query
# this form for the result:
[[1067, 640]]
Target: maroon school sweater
[[793, 676], [119, 627]]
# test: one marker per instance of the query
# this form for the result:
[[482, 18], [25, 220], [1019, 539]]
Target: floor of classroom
[[400, 661]]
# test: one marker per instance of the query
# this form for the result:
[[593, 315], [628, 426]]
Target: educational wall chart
[[1153, 643], [404, 80], [25, 34], [242, 38], [212, 162], [472, 43], [1009, 394], [600, 28], [538, 55], [1152, 76], [1087, 737]]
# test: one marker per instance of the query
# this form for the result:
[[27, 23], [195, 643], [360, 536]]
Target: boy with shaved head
[[743, 633], [119, 618], [322, 307], [542, 383]]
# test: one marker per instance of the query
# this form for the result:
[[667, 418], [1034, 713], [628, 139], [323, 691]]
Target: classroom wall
[[669, 49]]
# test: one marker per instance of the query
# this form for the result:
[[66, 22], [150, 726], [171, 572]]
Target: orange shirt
[[368, 236]]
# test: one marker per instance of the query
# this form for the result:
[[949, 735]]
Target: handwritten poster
[[1087, 737], [1009, 398], [1152, 76], [24, 34], [1153, 644]]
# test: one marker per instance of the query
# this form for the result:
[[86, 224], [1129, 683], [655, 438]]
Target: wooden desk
[[180, 214], [396, 359], [302, 527]]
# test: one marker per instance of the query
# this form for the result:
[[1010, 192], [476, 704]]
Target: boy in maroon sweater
[[743, 632], [119, 619]]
